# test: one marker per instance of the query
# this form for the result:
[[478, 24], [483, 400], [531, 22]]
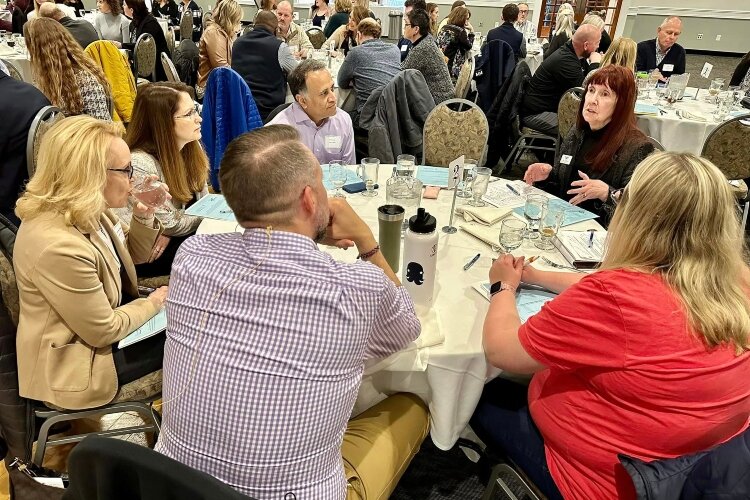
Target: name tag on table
[[333, 142], [668, 67], [566, 159]]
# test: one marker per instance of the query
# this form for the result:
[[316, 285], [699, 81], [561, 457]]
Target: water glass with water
[[405, 165], [512, 232], [479, 186], [714, 88], [549, 224], [152, 193], [535, 206], [337, 176], [470, 167], [368, 172]]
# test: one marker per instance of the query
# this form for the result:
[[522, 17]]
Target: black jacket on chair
[[646, 60], [504, 110], [150, 25], [494, 66], [255, 56], [741, 70], [507, 33]]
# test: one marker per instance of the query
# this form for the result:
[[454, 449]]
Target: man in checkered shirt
[[267, 338]]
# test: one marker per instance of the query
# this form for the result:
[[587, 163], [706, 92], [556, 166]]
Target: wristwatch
[[500, 286]]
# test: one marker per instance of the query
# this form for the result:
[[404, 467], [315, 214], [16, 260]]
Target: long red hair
[[622, 82]]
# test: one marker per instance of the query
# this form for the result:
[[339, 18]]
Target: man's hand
[[595, 57], [346, 228]]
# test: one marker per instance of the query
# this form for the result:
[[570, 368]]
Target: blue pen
[[471, 262], [513, 190]]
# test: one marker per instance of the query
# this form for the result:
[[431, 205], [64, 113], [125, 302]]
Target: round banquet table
[[446, 366], [20, 61]]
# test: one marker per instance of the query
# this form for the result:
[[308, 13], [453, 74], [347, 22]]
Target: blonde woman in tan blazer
[[215, 46], [74, 265]]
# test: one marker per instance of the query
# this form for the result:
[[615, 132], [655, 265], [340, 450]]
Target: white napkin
[[6, 51], [489, 235], [487, 215], [691, 116]]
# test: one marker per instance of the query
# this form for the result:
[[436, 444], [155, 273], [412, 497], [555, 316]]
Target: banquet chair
[[278, 109], [144, 56], [44, 119], [465, 78], [247, 29], [658, 145], [567, 110], [507, 483], [170, 40], [186, 26], [723, 147], [316, 36], [448, 134], [207, 16], [13, 70], [169, 68]]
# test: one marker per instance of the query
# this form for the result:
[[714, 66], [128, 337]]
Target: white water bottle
[[420, 258]]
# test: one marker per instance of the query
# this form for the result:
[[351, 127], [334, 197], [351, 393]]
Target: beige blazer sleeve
[[141, 238], [337, 37], [218, 48]]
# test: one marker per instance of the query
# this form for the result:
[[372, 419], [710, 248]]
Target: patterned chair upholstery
[[449, 134], [13, 70], [567, 110], [186, 26], [207, 16], [169, 68], [465, 77], [170, 40], [44, 119], [145, 56], [316, 36]]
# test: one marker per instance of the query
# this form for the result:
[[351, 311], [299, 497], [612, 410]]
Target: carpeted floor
[[724, 67]]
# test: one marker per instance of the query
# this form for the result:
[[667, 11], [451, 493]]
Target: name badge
[[566, 159], [119, 232], [333, 142], [668, 67], [404, 48]]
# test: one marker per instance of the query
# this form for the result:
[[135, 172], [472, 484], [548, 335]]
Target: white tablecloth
[[534, 57], [450, 376], [5, 15], [681, 134], [22, 62]]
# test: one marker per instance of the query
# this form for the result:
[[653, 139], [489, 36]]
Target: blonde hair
[[343, 5], [692, 237], [565, 20], [71, 171], [594, 20], [56, 57], [622, 52], [227, 15]]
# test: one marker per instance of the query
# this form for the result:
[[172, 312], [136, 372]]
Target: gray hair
[[668, 19], [297, 79]]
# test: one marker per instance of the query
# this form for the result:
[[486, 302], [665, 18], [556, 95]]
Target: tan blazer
[[70, 290], [214, 51]]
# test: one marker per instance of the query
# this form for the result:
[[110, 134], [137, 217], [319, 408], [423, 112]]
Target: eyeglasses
[[128, 170], [190, 114], [523, 11]]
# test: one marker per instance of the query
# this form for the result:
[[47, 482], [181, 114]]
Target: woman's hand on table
[[537, 172], [159, 296], [588, 189], [507, 269]]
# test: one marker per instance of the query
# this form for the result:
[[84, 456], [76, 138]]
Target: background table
[[22, 62], [450, 376]]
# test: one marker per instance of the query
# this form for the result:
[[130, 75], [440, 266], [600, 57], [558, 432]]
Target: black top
[[151, 26], [557, 41], [317, 20], [605, 42], [507, 33], [255, 50], [742, 68], [336, 20], [646, 60], [404, 45], [561, 71], [20, 102], [170, 11]]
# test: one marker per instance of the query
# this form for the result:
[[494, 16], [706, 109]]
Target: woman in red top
[[646, 357]]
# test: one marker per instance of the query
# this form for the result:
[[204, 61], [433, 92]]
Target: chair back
[[169, 68], [658, 145], [145, 56], [278, 109], [186, 25], [247, 29], [170, 39], [207, 16], [567, 110], [495, 65], [13, 70], [316, 36], [449, 134], [44, 119], [724, 147], [465, 77], [104, 468]]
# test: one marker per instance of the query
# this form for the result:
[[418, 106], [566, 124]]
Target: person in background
[[320, 12], [345, 37], [622, 52], [457, 3], [596, 17], [190, 8], [323, 127], [269, 5], [69, 11], [371, 64], [340, 18], [110, 23], [291, 33], [78, 289], [599, 155], [507, 33], [77, 6], [294, 306], [564, 28], [561, 71], [167, 9], [523, 24], [164, 137], [58, 60], [215, 47], [614, 354], [80, 29], [260, 49], [143, 22], [20, 102], [426, 57], [404, 44], [741, 75], [663, 54], [14, 23], [433, 10], [455, 40]]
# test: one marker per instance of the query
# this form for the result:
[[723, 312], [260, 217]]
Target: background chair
[[44, 119], [117, 70], [13, 70], [278, 109], [658, 145], [507, 484], [247, 29], [465, 78], [144, 57], [186, 26], [169, 68], [170, 39], [316, 36], [726, 148], [207, 16], [449, 134], [102, 469], [567, 110]]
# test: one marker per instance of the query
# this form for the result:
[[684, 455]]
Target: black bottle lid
[[423, 222]]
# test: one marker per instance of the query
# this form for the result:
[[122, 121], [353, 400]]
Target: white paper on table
[[456, 168], [500, 195], [528, 301], [577, 245]]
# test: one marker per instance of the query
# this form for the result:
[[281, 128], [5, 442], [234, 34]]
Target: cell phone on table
[[357, 187]]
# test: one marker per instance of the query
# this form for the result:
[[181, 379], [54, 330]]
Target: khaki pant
[[380, 443]]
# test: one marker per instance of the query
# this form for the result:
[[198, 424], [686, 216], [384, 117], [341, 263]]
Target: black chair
[[278, 109], [111, 469]]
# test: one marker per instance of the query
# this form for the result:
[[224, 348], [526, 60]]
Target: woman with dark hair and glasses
[[144, 22], [73, 259], [164, 135]]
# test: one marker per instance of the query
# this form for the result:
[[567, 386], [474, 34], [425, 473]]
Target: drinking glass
[[405, 165], [479, 186], [368, 172], [535, 206], [511, 233], [642, 85], [715, 87], [549, 224], [470, 167], [337, 176], [671, 95], [737, 94], [152, 193], [10, 40]]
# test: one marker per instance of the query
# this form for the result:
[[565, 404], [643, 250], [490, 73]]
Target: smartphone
[[355, 187]]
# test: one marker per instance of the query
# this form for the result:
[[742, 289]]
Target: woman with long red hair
[[599, 154]]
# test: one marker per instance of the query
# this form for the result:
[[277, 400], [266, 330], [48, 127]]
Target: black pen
[[471, 262], [513, 190]]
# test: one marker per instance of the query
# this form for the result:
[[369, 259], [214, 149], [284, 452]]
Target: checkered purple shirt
[[280, 363]]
